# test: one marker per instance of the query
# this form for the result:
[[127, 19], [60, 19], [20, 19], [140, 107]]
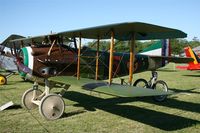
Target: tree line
[[177, 45]]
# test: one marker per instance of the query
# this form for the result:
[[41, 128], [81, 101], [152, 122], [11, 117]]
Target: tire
[[52, 107], [3, 80], [141, 83], [27, 98], [160, 85]]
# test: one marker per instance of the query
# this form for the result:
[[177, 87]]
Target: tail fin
[[159, 48], [166, 50], [190, 53], [166, 47]]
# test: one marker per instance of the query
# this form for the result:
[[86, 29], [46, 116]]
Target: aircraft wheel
[[52, 107], [27, 98], [141, 83], [162, 86], [3, 80]]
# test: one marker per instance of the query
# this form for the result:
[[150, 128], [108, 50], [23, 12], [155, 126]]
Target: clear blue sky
[[36, 17]]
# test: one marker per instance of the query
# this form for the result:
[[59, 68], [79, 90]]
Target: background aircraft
[[56, 59], [7, 64], [194, 65], [197, 51]]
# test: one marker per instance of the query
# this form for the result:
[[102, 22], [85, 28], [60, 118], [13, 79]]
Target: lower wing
[[104, 87]]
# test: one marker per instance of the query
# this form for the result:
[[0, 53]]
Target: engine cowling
[[41, 64]]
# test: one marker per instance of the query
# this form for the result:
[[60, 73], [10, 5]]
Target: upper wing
[[122, 31], [104, 87]]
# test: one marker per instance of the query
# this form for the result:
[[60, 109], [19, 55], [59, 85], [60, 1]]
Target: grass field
[[93, 112]]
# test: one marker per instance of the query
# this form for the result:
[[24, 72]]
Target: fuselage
[[45, 63]]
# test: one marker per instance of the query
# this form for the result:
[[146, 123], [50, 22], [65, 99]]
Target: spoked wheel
[[52, 107], [162, 86], [27, 98], [3, 80], [141, 83]]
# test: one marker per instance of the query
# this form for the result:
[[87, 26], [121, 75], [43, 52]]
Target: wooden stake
[[97, 60], [111, 57]]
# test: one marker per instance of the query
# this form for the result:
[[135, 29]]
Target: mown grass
[[93, 112]]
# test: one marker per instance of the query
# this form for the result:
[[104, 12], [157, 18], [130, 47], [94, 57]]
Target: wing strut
[[132, 58], [97, 60], [79, 56], [49, 52], [111, 57], [22, 44]]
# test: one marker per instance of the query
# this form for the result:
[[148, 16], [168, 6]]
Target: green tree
[[177, 45], [194, 43]]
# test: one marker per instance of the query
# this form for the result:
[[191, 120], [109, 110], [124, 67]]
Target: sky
[[38, 17]]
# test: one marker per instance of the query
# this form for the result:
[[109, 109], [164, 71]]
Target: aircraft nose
[[25, 61]]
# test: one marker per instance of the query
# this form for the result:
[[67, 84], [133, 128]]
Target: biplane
[[59, 59], [194, 65], [7, 62]]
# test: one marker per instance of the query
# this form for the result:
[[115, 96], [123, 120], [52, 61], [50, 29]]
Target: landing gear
[[162, 86], [51, 106], [141, 83], [28, 97], [3, 80], [153, 83]]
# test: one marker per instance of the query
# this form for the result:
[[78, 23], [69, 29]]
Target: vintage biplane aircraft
[[59, 59], [194, 65], [7, 64]]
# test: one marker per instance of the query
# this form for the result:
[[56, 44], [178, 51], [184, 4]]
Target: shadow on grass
[[167, 70], [192, 75], [161, 120], [73, 113], [14, 107], [192, 91], [15, 82], [6, 88], [182, 105]]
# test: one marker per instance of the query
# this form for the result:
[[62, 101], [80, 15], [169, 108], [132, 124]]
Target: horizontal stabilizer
[[173, 59], [182, 67]]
